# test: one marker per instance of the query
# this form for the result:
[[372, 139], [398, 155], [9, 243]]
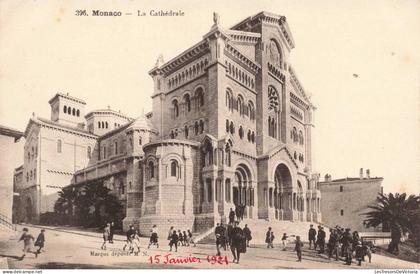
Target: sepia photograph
[[210, 135]]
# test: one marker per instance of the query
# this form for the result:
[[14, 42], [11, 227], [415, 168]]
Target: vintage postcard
[[210, 135]]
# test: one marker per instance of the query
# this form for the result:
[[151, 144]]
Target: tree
[[88, 201], [397, 212], [66, 200]]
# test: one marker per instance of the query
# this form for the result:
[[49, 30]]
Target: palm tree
[[397, 212]]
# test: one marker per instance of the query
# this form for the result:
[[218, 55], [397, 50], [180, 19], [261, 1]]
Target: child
[[359, 252], [284, 241], [27, 242], [186, 239], [154, 237], [180, 237], [298, 248], [40, 240], [269, 238], [136, 241], [174, 241], [107, 232], [190, 237]]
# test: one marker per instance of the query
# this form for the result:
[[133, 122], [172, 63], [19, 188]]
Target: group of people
[[341, 243], [234, 237], [269, 240], [28, 242], [179, 238]]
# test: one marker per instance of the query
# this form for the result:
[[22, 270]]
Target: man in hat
[[238, 245], [321, 239], [312, 236]]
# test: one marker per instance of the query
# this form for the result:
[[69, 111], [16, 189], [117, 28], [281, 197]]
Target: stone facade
[[345, 200], [231, 124], [11, 150]]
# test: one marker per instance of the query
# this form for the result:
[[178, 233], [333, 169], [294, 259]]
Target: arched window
[[174, 168], [196, 128], [229, 99], [300, 137], [227, 155], [187, 102], [73, 112], [227, 126], [240, 105], [99, 124], [65, 109], [275, 53], [251, 110], [199, 97], [186, 131], [201, 126], [59, 144], [232, 128], [241, 132], [295, 135], [106, 124], [102, 125], [78, 113], [116, 147], [253, 137], [89, 152], [249, 135], [151, 170], [175, 108], [140, 141]]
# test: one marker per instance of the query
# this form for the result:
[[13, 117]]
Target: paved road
[[70, 248]]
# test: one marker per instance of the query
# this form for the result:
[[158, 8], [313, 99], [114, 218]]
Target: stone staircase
[[260, 226], [6, 223]]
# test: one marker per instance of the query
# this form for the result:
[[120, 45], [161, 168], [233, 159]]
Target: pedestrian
[[284, 241], [238, 212], [224, 238], [333, 245], [229, 234], [358, 252], [190, 237], [129, 240], [298, 248], [186, 238], [111, 233], [218, 231], [136, 241], [174, 241], [27, 239], [40, 241], [269, 238], [347, 243], [321, 239], [367, 251], [238, 244], [154, 238], [311, 236], [171, 230], [247, 233], [180, 238], [106, 235], [231, 216], [356, 240]]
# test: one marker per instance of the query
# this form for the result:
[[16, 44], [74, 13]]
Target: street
[[70, 248]]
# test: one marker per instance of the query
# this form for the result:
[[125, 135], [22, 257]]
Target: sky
[[359, 61]]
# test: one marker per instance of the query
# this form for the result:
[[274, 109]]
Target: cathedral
[[231, 125]]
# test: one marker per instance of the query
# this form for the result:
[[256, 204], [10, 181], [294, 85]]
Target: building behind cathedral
[[231, 125]]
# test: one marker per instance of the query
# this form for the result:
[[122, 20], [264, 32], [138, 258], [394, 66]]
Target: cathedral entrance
[[283, 193], [243, 191], [235, 195]]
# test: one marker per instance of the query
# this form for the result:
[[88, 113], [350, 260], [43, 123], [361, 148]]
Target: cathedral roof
[[55, 125]]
